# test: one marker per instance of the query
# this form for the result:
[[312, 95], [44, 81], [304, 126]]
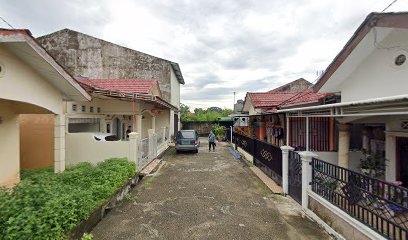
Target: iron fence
[[295, 176], [380, 205], [143, 158], [269, 158], [245, 143]]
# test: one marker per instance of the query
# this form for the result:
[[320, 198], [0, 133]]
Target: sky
[[222, 47]]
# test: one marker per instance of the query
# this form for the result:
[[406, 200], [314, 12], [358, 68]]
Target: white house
[[31, 82]]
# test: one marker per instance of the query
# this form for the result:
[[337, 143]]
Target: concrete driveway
[[209, 195]]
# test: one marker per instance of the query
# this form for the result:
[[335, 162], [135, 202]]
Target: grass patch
[[45, 205], [262, 188], [148, 182]]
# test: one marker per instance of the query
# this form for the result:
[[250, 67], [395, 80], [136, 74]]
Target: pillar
[[154, 122], [344, 145], [261, 131], [306, 158], [391, 155], [139, 118], [59, 143], [285, 168], [133, 147]]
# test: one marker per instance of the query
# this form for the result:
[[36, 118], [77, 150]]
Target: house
[[117, 107], [266, 124], [369, 76], [31, 82], [85, 56]]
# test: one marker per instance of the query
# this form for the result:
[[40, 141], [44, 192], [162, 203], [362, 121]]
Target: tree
[[208, 115]]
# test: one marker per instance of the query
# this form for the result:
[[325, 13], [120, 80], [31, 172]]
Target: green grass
[[45, 205]]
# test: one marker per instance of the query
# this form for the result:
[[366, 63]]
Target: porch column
[[344, 145], [285, 168], [261, 131], [154, 122], [391, 155], [59, 143], [306, 176], [139, 124], [133, 148]]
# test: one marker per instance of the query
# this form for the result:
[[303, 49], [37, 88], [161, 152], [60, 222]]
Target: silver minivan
[[187, 140]]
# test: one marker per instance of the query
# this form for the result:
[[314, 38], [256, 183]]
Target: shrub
[[47, 206], [219, 130]]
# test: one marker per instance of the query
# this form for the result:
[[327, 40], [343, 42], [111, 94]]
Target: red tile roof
[[277, 99], [121, 85]]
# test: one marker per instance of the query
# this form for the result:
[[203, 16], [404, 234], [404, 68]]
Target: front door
[[402, 160]]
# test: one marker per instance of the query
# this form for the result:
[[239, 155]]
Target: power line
[[6, 22], [389, 5]]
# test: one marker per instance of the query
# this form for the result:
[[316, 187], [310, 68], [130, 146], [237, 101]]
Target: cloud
[[222, 46]]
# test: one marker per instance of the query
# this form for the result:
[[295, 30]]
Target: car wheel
[[196, 151], [177, 151]]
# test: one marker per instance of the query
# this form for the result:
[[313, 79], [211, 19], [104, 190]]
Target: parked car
[[103, 137], [187, 140]]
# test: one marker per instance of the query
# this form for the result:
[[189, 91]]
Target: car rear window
[[186, 135]]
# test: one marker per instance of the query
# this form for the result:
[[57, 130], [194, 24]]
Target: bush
[[47, 206], [219, 130]]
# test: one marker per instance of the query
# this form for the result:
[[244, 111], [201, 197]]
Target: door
[[402, 160], [175, 124], [117, 127]]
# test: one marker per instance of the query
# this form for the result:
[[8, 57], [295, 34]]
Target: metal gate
[[295, 176]]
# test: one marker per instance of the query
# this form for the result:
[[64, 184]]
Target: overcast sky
[[222, 46]]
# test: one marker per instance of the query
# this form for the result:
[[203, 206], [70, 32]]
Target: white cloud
[[221, 46]]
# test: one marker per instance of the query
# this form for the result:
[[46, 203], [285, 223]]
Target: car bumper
[[186, 147]]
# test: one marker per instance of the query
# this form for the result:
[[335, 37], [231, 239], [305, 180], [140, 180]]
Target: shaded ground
[[209, 195]]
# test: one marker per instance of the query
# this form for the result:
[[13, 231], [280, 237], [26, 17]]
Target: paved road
[[209, 195]]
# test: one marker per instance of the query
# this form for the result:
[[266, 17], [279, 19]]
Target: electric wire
[[6, 22]]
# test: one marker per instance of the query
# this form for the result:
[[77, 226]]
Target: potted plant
[[373, 165]]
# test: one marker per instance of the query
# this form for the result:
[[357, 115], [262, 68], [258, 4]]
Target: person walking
[[211, 141]]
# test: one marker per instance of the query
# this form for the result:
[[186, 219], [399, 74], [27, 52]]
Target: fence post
[[151, 144], [285, 168], [306, 176], [133, 148]]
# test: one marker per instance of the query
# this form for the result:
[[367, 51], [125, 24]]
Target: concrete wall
[[9, 146], [82, 147], [175, 89], [377, 75], [36, 140], [22, 83], [87, 56]]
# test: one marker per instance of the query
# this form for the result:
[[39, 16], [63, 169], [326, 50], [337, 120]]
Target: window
[[74, 107], [83, 108], [98, 110], [91, 109]]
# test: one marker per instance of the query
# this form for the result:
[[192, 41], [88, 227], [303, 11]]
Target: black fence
[[295, 176], [266, 156], [380, 205]]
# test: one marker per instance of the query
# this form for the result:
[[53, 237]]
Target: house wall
[[82, 147], [36, 140], [383, 78], [175, 89], [87, 56], [9, 146], [20, 82]]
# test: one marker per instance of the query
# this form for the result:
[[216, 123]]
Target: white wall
[[377, 75], [82, 147], [175, 89], [20, 82], [9, 146]]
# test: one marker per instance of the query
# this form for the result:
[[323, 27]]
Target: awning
[[395, 105]]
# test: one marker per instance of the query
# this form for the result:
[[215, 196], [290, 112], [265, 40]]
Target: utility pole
[[233, 108]]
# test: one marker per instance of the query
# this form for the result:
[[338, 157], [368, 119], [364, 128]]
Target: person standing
[[211, 141]]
